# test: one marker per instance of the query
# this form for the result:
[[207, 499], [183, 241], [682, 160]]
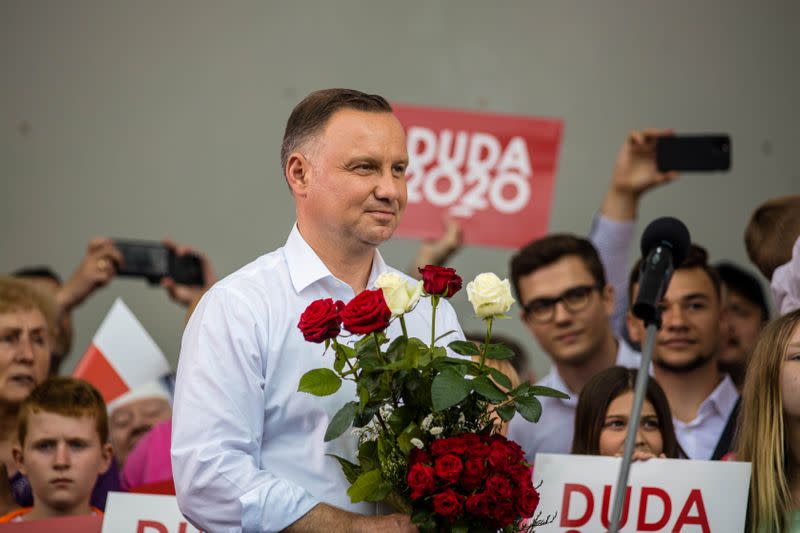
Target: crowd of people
[[243, 450]]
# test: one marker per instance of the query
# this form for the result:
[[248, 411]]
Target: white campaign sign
[[144, 513], [663, 494]]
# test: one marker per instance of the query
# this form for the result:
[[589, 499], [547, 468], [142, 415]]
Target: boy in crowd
[[704, 401], [63, 447], [746, 314]]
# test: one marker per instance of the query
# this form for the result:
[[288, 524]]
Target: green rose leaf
[[341, 421], [365, 486], [464, 348], [506, 412], [320, 382], [368, 455], [499, 351], [448, 388], [404, 440], [351, 470], [484, 386], [500, 377], [529, 407], [397, 349], [538, 390]]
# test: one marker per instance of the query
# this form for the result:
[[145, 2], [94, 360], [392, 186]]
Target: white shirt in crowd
[[554, 430], [699, 437], [247, 448]]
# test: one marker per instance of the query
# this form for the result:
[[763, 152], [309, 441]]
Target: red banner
[[493, 173]]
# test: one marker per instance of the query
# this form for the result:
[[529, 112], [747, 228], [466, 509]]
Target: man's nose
[[561, 314], [62, 458], [674, 317], [389, 187]]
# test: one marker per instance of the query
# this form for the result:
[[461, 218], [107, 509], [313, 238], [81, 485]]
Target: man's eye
[[399, 169], [77, 445], [696, 306], [44, 446]]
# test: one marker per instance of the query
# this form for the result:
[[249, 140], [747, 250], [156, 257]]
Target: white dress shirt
[[554, 430], [247, 448], [699, 437]]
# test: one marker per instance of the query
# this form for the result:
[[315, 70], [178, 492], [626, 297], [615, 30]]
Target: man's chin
[[682, 365]]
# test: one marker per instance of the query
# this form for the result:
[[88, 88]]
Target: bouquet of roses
[[426, 421]]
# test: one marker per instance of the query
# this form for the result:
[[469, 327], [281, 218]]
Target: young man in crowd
[[573, 295], [703, 400], [746, 314], [62, 448]]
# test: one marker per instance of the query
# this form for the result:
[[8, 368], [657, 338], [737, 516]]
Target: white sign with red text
[[493, 173], [144, 513], [672, 495]]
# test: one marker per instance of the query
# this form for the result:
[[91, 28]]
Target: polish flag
[[122, 355]]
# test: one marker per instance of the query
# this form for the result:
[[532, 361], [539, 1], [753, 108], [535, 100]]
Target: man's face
[[129, 422], [62, 342], [569, 337], [62, 457], [742, 327], [690, 331], [356, 187], [24, 353]]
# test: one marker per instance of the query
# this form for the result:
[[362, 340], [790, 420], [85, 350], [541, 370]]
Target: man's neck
[[41, 510], [685, 391], [576, 376], [352, 266]]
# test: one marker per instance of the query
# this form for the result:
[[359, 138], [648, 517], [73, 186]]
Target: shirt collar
[[724, 397], [305, 266]]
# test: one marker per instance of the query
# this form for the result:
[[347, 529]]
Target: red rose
[[503, 513], [366, 313], [419, 456], [499, 488], [478, 505], [522, 476], [479, 450], [474, 473], [448, 504], [456, 445], [448, 468], [527, 502], [421, 480], [504, 453], [321, 320], [440, 281]]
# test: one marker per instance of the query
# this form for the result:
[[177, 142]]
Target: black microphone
[[665, 244]]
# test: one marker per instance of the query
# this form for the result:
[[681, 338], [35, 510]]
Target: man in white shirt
[[247, 449], [573, 294], [704, 401]]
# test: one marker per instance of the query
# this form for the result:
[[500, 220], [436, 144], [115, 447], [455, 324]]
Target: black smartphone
[[693, 153], [154, 261]]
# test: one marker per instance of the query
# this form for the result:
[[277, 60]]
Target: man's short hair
[[38, 272], [20, 295], [311, 115], [548, 250], [772, 231], [64, 396], [696, 258], [745, 284]]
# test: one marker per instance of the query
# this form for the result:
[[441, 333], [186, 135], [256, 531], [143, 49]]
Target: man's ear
[[634, 327], [19, 458], [297, 172], [107, 452], [608, 298]]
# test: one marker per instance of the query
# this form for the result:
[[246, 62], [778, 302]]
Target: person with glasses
[[703, 400]]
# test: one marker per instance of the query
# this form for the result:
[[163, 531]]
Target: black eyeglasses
[[575, 299]]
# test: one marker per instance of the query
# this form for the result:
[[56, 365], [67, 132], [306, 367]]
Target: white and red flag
[[122, 355]]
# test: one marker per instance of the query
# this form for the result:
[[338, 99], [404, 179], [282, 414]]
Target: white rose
[[400, 298], [489, 295]]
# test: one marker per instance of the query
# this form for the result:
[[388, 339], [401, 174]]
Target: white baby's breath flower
[[400, 298], [436, 431], [427, 422], [417, 443], [386, 411], [461, 419], [489, 295]]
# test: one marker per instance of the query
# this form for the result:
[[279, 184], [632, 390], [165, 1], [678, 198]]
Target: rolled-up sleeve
[[218, 424]]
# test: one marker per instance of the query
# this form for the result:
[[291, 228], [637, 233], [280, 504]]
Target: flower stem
[[486, 342], [378, 348], [403, 325], [434, 303], [346, 360]]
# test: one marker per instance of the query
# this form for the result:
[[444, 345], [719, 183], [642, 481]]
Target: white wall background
[[146, 119]]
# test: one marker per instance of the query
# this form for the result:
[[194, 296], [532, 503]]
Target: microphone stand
[[630, 439]]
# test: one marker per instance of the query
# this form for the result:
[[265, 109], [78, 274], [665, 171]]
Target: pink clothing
[[149, 462], [786, 283]]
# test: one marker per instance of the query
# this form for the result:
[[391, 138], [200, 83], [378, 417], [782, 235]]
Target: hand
[[439, 251], [97, 268], [186, 295], [399, 523], [635, 173]]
